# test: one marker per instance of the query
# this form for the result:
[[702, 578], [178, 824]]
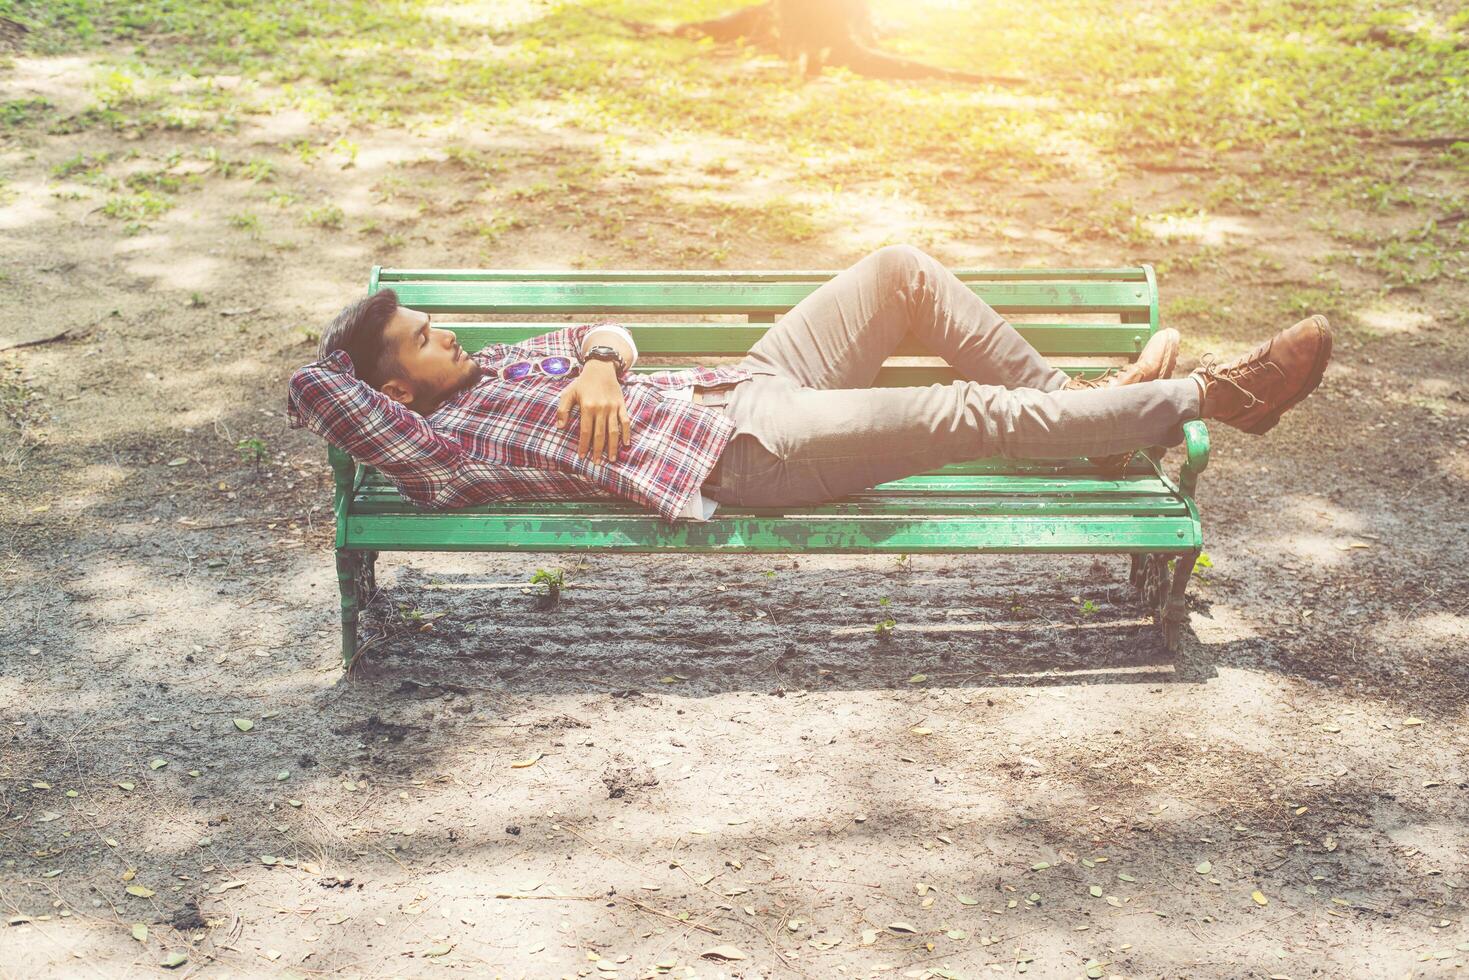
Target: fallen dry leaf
[[725, 952]]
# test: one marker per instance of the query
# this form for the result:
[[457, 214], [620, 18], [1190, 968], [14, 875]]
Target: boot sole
[[1172, 360], [1317, 370]]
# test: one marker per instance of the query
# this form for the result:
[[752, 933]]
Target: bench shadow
[[446, 630]]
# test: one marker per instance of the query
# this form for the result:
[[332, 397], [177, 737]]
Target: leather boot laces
[[1080, 383], [1253, 366]]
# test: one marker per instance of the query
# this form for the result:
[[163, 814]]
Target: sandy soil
[[697, 753]]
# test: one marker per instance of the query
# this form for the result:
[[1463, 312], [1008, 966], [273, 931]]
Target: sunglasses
[[554, 367]]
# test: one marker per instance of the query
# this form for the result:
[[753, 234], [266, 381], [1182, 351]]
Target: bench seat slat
[[1058, 339], [993, 466], [992, 484], [379, 502], [565, 532], [719, 297], [899, 375], [390, 276]]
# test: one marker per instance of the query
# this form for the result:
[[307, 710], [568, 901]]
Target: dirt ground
[[690, 754]]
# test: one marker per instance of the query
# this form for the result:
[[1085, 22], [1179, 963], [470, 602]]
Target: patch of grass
[[491, 230], [21, 416], [17, 112], [326, 216], [475, 161], [389, 188], [1335, 303], [81, 165], [1205, 258], [246, 221], [159, 180], [306, 151], [1114, 221], [258, 171], [137, 209], [1192, 309]]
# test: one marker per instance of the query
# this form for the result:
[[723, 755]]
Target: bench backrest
[[1081, 318]]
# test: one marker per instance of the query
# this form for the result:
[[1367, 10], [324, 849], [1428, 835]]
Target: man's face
[[431, 364]]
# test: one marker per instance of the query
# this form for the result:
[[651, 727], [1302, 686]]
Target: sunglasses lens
[[556, 365], [517, 371]]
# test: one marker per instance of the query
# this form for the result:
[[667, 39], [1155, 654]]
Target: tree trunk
[[814, 33]]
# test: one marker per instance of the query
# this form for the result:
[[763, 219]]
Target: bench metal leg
[[1175, 610], [1138, 573], [357, 580], [1163, 589], [349, 564]]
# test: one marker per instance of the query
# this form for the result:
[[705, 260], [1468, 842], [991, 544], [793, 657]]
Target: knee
[[901, 267], [901, 257]]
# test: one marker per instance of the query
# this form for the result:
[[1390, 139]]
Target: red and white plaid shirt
[[497, 439]]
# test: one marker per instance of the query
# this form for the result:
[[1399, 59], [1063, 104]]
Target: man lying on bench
[[794, 423]]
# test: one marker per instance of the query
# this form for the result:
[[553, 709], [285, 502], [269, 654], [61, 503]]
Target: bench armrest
[[1196, 443]]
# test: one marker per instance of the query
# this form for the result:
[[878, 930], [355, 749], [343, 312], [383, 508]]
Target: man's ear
[[398, 392]]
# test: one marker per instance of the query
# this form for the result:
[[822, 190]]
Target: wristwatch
[[602, 352]]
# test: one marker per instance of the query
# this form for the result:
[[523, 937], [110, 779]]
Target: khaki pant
[[809, 429]]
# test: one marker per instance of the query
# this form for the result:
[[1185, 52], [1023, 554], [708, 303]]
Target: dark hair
[[358, 330]]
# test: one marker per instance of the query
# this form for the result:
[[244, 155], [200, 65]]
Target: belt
[[715, 396]]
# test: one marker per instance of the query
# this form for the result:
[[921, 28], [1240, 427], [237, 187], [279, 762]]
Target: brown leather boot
[[1154, 361], [1251, 392]]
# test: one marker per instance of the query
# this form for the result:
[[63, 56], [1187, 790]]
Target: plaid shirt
[[497, 439]]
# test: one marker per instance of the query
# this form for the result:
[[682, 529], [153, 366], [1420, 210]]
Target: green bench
[[1084, 319]]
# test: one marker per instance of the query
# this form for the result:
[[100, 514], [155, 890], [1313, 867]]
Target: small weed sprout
[[246, 221], [1201, 566], [553, 580], [1088, 608], [884, 627], [252, 451], [258, 171], [903, 563], [326, 216]]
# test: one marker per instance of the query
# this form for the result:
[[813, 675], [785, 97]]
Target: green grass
[[136, 208], [1266, 104], [326, 216], [246, 221]]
